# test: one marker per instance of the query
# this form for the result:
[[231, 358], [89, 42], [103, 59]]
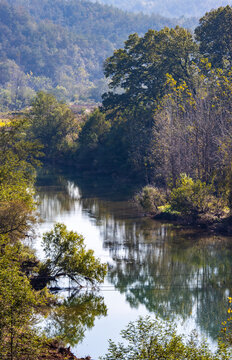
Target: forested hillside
[[60, 46], [173, 8]]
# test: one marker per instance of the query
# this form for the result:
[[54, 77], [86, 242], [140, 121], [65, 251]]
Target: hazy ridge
[[174, 8]]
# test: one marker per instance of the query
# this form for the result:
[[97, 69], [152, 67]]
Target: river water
[[154, 268]]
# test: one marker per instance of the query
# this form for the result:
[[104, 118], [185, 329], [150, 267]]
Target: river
[[154, 268]]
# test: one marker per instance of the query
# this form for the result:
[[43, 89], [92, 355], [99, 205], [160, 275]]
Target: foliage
[[191, 197], [18, 339], [214, 35], [140, 68], [66, 256], [151, 198], [52, 124], [125, 142], [150, 339], [227, 324], [18, 156], [92, 136]]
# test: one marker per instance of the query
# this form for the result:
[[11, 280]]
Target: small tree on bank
[[66, 256]]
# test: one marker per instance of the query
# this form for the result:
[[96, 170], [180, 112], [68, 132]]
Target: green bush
[[194, 198], [151, 198], [151, 339]]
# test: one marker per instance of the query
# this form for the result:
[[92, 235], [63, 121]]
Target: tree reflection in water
[[174, 272], [179, 275], [72, 317]]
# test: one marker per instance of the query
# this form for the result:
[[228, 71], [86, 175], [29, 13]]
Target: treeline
[[59, 47], [168, 112], [174, 8]]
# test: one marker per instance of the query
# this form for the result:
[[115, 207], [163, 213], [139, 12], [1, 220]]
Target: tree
[[140, 69], [194, 198], [192, 127], [92, 136], [18, 156], [215, 36], [150, 199], [67, 257], [51, 123]]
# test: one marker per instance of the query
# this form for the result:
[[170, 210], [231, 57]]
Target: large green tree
[[67, 256], [138, 72], [215, 36]]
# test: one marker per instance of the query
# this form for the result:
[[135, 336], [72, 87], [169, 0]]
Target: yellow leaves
[[205, 62], [4, 122], [226, 325], [170, 81]]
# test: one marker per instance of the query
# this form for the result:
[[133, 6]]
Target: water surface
[[155, 268]]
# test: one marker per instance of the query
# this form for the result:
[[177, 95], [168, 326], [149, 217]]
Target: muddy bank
[[53, 350]]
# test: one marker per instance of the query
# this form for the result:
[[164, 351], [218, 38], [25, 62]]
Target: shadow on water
[[172, 271], [91, 186]]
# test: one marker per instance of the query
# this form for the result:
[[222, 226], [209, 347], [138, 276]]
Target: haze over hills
[[173, 8], [60, 46]]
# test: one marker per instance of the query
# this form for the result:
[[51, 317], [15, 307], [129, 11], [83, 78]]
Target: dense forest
[[173, 8], [59, 46]]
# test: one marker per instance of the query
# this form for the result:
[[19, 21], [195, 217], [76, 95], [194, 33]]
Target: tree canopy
[[66, 256], [214, 36], [140, 68], [149, 339], [52, 124]]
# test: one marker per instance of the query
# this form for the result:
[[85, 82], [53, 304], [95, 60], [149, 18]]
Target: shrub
[[194, 197], [151, 339], [151, 198]]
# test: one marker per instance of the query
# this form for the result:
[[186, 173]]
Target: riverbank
[[221, 226], [53, 350]]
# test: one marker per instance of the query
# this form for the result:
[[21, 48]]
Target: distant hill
[[169, 8], [60, 46]]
